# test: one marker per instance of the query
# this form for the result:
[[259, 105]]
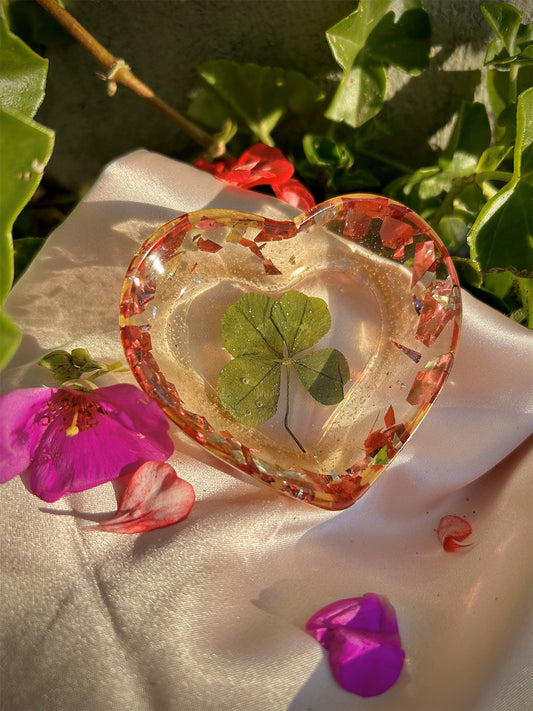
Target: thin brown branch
[[118, 72]]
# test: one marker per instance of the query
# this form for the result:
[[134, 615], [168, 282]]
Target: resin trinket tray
[[394, 307]]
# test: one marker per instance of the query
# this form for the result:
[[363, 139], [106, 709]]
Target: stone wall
[[164, 40]]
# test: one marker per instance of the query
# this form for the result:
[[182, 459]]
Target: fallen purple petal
[[362, 638]]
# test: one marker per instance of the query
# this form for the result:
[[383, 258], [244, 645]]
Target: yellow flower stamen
[[73, 429]]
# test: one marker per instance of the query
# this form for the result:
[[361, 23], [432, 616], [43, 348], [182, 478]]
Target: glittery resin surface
[[395, 310]]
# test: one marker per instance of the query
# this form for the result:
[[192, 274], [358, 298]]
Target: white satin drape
[[209, 614]]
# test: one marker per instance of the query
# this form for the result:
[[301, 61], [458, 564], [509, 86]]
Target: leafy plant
[[25, 147], [487, 226], [378, 34], [264, 335], [253, 97], [478, 193]]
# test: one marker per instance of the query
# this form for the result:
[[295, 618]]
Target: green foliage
[[514, 41], [263, 335], [476, 193], [502, 234], [379, 33], [25, 147], [254, 97]]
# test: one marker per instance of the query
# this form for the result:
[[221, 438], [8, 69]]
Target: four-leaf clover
[[263, 335]]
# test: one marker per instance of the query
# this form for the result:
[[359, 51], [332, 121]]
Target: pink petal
[[154, 498], [137, 412], [364, 645], [105, 451], [451, 530], [21, 428]]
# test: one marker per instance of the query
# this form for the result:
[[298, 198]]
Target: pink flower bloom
[[364, 645], [451, 531], [61, 441], [155, 497], [261, 165]]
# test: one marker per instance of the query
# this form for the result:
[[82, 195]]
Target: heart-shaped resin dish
[[214, 284]]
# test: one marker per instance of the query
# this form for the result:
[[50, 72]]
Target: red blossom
[[261, 165], [451, 531], [295, 193]]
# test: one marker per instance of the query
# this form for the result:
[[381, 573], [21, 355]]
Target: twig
[[118, 72]]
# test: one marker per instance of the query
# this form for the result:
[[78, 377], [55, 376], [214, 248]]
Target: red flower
[[261, 165]]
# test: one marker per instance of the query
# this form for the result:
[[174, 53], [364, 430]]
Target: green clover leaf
[[263, 334]]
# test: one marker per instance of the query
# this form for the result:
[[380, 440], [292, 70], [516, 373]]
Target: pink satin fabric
[[210, 614]]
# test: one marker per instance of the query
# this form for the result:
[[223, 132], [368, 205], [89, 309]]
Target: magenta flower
[[364, 645], [61, 440]]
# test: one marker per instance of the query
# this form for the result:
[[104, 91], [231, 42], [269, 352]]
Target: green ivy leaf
[[468, 271], [325, 152], [253, 96], [502, 235], [377, 34], [25, 147], [10, 338], [23, 75], [300, 320], [514, 40], [263, 335], [470, 137], [324, 374]]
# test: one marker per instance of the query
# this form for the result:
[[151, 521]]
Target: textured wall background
[[164, 40]]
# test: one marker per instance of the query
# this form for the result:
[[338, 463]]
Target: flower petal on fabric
[[365, 664], [362, 638], [294, 193], [154, 498], [451, 531], [21, 428]]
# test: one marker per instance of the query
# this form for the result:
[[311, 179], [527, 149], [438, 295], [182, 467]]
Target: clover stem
[[286, 421]]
